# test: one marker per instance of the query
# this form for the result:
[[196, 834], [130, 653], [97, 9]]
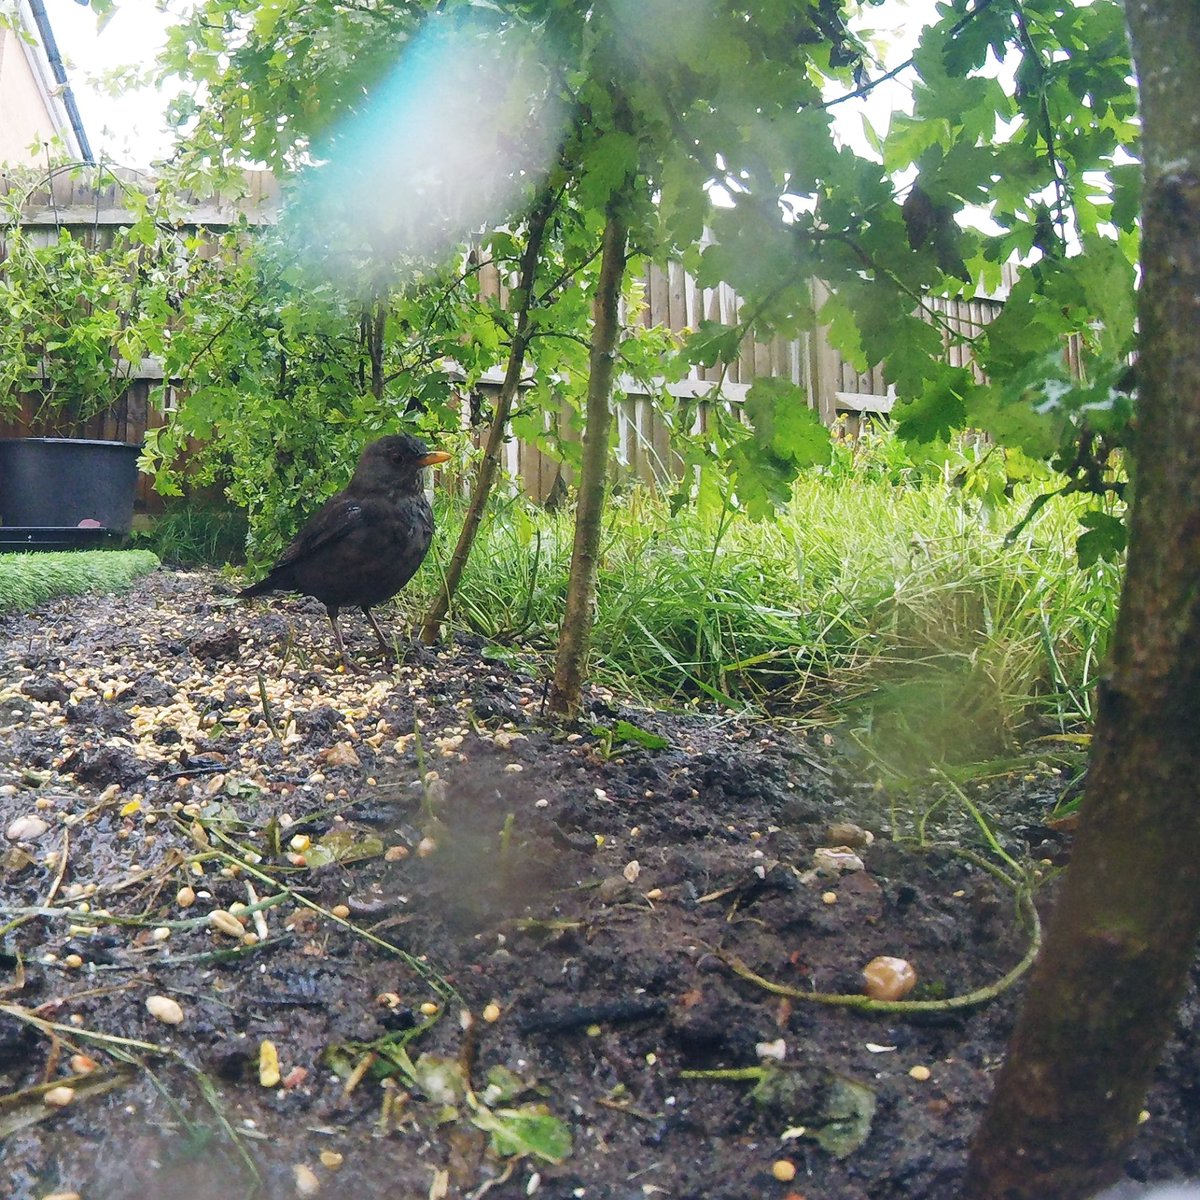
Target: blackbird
[[366, 542]]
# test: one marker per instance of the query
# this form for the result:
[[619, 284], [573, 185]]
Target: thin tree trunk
[[489, 465], [575, 638], [375, 324], [1103, 995]]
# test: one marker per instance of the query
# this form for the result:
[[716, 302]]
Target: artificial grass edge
[[30, 579]]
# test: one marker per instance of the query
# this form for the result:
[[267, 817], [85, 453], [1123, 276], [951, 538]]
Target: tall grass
[[193, 533], [902, 610]]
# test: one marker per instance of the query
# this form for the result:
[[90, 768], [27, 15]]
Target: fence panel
[[670, 298]]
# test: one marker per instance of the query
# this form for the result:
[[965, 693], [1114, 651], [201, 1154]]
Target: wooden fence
[[672, 299]]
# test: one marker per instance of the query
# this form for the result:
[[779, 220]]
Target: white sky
[[129, 128]]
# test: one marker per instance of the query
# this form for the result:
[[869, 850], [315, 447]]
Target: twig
[[591, 1014], [424, 970], [861, 1003], [63, 858], [628, 1110], [268, 716]]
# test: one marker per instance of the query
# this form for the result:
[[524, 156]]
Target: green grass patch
[[27, 580], [901, 612], [192, 533]]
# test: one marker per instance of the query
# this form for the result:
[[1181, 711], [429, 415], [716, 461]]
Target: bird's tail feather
[[257, 589]]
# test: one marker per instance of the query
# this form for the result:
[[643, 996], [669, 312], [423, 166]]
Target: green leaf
[[626, 731], [909, 137], [836, 1111], [1106, 278], [347, 845], [712, 343], [938, 410], [528, 1130], [848, 1113], [441, 1080], [784, 423], [1105, 539], [763, 481], [608, 167], [502, 1085]]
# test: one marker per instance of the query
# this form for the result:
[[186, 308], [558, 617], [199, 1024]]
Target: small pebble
[[783, 1170], [340, 755], [846, 833], [164, 1009], [775, 1051], [268, 1065], [26, 829], [58, 1097], [612, 888], [889, 978], [307, 1183], [919, 1073], [833, 860]]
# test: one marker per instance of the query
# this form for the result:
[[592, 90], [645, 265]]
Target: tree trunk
[[575, 638], [489, 465], [1103, 995], [375, 324]]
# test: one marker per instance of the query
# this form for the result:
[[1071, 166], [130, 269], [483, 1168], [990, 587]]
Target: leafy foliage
[[701, 103], [80, 315]]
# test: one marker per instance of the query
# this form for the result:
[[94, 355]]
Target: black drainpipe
[[60, 75]]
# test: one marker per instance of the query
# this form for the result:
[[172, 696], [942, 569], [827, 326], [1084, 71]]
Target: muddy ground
[[415, 845]]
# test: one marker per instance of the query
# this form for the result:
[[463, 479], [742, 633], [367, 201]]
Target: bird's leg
[[388, 648], [332, 610]]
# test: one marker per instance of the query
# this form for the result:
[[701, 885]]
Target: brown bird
[[366, 542]]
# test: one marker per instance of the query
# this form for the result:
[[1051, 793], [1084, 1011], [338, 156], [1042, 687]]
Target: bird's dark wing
[[335, 520]]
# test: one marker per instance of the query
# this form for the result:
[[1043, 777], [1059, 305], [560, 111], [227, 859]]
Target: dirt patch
[[434, 850]]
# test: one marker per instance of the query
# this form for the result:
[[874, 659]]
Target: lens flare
[[449, 142]]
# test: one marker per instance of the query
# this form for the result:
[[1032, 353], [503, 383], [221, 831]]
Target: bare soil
[[422, 847]]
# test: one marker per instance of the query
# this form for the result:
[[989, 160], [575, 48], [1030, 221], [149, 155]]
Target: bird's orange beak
[[434, 457]]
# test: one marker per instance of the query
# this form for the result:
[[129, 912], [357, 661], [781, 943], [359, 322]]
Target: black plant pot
[[56, 484]]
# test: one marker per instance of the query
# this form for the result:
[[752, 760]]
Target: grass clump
[[901, 611], [27, 580], [193, 533]]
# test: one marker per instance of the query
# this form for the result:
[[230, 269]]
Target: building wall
[[27, 115]]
